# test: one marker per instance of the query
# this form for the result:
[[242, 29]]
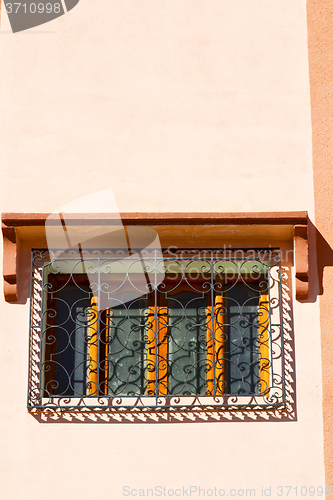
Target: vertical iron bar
[[270, 341], [42, 323], [98, 326], [156, 328], [282, 333], [30, 333], [213, 320]]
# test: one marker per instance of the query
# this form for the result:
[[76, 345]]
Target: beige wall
[[163, 101], [177, 106]]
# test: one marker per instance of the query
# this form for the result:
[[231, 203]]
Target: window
[[193, 328]]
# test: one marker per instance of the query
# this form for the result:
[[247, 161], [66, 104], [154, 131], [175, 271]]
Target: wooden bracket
[[9, 263], [301, 258]]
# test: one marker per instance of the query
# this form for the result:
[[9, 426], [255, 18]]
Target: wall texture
[[177, 106], [171, 97], [320, 38]]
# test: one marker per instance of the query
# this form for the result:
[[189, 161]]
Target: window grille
[[188, 330]]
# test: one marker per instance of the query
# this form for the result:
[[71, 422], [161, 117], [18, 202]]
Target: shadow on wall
[[324, 258], [320, 256], [137, 415]]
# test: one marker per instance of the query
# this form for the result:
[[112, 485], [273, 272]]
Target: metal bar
[[213, 322], [98, 360], [156, 323], [282, 332], [30, 331], [270, 329]]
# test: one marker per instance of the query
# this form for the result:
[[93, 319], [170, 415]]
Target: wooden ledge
[[159, 218], [11, 222]]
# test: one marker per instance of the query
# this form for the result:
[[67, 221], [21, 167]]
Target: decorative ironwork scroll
[[107, 333]]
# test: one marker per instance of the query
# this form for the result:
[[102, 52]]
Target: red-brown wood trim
[[160, 218], [301, 255], [9, 263]]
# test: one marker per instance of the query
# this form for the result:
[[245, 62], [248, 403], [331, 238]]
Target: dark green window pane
[[127, 345], [65, 342], [243, 346], [187, 344]]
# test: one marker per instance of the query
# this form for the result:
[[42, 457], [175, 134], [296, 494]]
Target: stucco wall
[[169, 97], [177, 106], [321, 79]]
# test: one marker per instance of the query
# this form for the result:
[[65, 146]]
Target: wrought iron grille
[[189, 329]]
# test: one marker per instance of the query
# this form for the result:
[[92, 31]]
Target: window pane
[[127, 344], [65, 342], [243, 344], [187, 344]]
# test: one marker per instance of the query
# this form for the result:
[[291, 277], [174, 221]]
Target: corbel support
[[301, 255], [9, 263]]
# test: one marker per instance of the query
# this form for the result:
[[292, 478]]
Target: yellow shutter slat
[[92, 333], [264, 343], [216, 348], [157, 351]]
